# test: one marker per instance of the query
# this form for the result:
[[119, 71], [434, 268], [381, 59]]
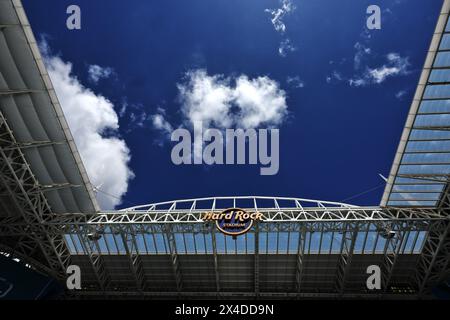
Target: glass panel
[[250, 242], [441, 75], [141, 244], [414, 196], [380, 244], [370, 242], [179, 243], [437, 91], [442, 59], [435, 106], [293, 242], [231, 244], [307, 238], [119, 242], [359, 242], [326, 242], [410, 242], [77, 242], [110, 241], [208, 238], [160, 245], [427, 146], [445, 42], [262, 242], [200, 243], [150, 243], [189, 239], [432, 120], [419, 243], [337, 241], [424, 169], [412, 203], [240, 242], [272, 242], [220, 242], [426, 158], [315, 242], [418, 187], [70, 244], [102, 244], [429, 134], [283, 242], [400, 180], [447, 27]]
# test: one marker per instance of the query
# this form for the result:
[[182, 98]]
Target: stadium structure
[[49, 217]]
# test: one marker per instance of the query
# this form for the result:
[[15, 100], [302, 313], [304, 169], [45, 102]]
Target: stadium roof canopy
[[30, 106], [419, 175]]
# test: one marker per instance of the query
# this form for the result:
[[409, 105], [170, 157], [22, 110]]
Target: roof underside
[[276, 273], [419, 175], [30, 106]]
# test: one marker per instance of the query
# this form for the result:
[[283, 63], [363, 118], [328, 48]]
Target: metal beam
[[391, 252], [434, 256], [256, 261], [134, 258], [32, 144], [70, 223], [26, 258], [17, 178], [215, 257], [92, 250], [289, 216], [300, 256], [346, 254], [9, 92], [174, 258]]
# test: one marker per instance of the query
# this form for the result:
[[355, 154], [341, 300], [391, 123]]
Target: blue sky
[[347, 89]]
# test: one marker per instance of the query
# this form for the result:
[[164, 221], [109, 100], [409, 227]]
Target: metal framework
[[18, 181], [349, 228]]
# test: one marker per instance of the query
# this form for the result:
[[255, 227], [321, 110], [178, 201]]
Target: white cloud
[[96, 73], [137, 119], [395, 65], [361, 53], [134, 115], [260, 101], [285, 47], [123, 108], [89, 116], [160, 123], [224, 102], [295, 82], [278, 14], [399, 95], [335, 76], [206, 98]]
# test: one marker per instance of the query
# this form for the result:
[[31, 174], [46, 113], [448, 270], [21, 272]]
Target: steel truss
[[66, 225], [18, 181], [433, 265], [345, 257]]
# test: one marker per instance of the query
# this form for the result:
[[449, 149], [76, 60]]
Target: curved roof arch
[[245, 202]]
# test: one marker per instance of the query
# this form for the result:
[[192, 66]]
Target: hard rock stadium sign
[[233, 221]]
